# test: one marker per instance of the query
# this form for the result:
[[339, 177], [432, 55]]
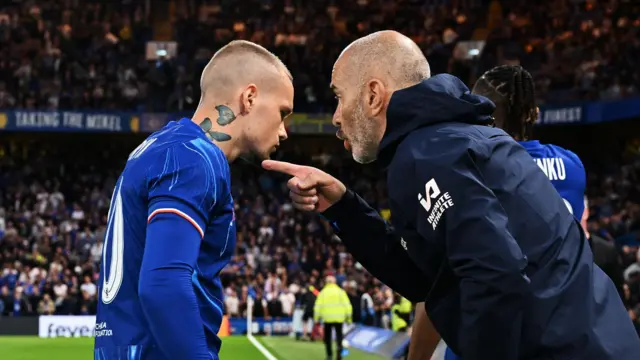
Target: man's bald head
[[238, 64], [387, 55]]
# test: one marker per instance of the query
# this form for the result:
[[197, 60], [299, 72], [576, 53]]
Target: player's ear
[[375, 97], [248, 98]]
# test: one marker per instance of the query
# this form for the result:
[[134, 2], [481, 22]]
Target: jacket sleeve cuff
[[338, 212]]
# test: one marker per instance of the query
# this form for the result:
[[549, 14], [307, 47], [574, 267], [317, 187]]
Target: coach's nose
[[337, 116]]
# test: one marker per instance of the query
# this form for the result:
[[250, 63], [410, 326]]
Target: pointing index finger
[[283, 167]]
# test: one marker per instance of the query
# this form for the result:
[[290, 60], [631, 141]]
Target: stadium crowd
[[53, 218], [80, 54], [54, 193]]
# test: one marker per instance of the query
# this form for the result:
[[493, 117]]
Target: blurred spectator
[[232, 303], [287, 301], [633, 271], [80, 54], [46, 306]]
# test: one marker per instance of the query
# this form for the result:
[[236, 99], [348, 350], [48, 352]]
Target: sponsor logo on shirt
[[435, 202]]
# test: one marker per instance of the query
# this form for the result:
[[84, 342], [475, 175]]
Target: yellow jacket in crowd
[[400, 312], [332, 305]]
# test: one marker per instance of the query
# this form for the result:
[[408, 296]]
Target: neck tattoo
[[225, 117]]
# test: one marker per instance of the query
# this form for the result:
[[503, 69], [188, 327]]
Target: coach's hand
[[310, 189]]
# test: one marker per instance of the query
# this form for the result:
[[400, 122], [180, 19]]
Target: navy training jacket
[[482, 237]]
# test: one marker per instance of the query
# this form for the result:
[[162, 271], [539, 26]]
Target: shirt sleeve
[[170, 252], [578, 169], [184, 182], [318, 307], [481, 252]]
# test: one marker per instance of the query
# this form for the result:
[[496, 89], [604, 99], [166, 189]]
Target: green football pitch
[[233, 348]]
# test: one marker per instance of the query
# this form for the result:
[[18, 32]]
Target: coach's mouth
[[340, 135]]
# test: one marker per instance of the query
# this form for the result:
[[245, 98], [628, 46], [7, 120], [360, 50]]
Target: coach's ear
[[375, 97], [248, 98]]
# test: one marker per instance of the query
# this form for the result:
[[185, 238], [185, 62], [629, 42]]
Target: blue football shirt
[[177, 162], [564, 169]]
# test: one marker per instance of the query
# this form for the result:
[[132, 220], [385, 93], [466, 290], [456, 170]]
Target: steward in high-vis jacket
[[333, 309], [400, 314], [482, 236]]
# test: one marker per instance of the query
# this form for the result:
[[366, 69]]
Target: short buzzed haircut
[[241, 61]]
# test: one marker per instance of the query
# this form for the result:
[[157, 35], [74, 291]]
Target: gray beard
[[365, 129]]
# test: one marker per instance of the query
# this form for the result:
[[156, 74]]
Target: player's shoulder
[[177, 148], [539, 150], [567, 155], [183, 140], [435, 145]]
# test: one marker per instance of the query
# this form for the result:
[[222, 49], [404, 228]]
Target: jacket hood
[[438, 99]]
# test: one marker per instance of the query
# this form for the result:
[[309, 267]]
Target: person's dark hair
[[511, 89]]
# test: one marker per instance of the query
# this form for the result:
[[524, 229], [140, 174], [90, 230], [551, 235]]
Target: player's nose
[[282, 133]]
